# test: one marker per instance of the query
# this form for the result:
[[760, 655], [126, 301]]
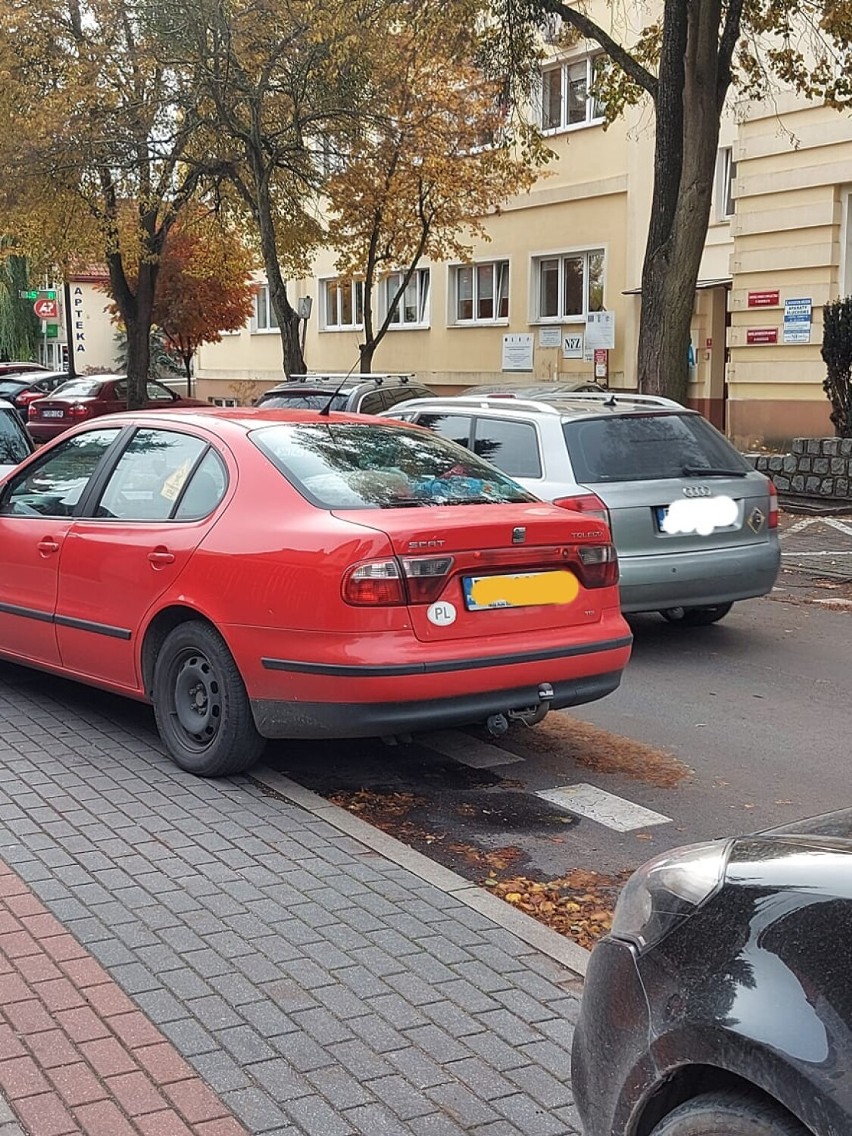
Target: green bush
[[837, 353]]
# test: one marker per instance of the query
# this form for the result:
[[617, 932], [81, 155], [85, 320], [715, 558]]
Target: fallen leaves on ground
[[579, 905], [370, 805], [599, 750]]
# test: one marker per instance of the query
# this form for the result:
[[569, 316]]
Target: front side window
[[569, 286], [353, 466], [567, 98], [265, 318], [150, 476], [411, 308], [344, 304], [54, 486], [482, 292]]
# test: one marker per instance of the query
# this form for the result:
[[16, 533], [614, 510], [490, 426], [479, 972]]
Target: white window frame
[[845, 266], [561, 257], [331, 318], [264, 321], [594, 115], [421, 281], [726, 173], [223, 401], [500, 273]]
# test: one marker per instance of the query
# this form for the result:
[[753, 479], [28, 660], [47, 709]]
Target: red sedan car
[[81, 399], [279, 574]]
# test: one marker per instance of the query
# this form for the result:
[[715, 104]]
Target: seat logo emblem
[[697, 491]]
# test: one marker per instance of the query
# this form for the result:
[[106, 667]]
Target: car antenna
[[610, 401], [326, 410]]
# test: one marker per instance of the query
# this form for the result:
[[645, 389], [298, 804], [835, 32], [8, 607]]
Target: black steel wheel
[[729, 1113], [200, 703]]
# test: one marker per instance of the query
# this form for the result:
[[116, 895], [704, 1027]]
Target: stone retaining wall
[[817, 467]]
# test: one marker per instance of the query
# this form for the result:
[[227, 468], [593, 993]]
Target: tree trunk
[[293, 361], [367, 351], [684, 163]]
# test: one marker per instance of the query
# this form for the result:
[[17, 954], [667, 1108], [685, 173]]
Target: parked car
[[360, 394], [694, 524], [81, 399], [15, 444], [277, 574], [720, 1004], [21, 390], [20, 368]]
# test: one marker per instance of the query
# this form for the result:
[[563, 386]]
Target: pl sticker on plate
[[442, 613]]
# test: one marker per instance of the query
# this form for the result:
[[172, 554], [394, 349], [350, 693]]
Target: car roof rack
[[354, 376]]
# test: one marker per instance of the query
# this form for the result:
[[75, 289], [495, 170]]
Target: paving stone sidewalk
[[227, 962]]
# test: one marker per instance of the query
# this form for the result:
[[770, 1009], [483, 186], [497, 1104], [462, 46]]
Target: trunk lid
[[514, 569]]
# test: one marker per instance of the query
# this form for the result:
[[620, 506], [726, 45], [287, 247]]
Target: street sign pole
[[69, 331]]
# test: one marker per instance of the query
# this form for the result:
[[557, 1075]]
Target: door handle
[[160, 557], [47, 546]]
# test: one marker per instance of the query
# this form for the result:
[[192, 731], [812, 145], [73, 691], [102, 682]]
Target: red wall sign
[[762, 335], [763, 299], [46, 309]]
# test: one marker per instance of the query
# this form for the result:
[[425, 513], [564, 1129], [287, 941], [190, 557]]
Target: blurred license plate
[[52, 413], [522, 589]]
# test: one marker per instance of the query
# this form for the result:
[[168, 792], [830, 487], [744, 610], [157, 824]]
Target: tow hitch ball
[[498, 724]]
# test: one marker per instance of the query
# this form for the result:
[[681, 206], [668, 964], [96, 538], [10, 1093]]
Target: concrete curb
[[529, 930]]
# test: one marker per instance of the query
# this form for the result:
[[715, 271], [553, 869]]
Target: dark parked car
[[358, 394], [84, 398], [23, 389], [15, 444], [721, 1002]]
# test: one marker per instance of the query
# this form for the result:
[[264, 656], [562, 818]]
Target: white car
[[15, 444]]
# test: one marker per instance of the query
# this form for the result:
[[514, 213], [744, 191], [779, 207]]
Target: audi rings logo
[[697, 491]]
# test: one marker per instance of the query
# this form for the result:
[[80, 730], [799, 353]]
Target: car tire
[[729, 1113], [200, 704], [696, 616]]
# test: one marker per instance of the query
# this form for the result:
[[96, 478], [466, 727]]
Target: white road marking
[[824, 552], [467, 750], [605, 808]]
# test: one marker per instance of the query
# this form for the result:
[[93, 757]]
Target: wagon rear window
[[353, 466]]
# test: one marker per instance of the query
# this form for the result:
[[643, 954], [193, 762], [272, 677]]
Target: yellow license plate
[[523, 589]]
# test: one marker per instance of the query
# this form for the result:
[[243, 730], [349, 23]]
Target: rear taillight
[[26, 398], [597, 565], [79, 410], [32, 411], [375, 584], [392, 583], [772, 522], [425, 577], [589, 504]]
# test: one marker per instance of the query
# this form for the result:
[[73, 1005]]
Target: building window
[[566, 99], [344, 304], [481, 292], [569, 286], [411, 309], [223, 401], [265, 318], [726, 172]]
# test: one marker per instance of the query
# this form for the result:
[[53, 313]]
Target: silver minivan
[[694, 524]]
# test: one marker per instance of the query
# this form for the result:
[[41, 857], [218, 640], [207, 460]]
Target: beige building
[[561, 273]]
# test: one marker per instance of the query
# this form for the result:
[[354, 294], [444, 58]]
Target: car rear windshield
[[13, 443], [83, 388], [305, 401], [11, 388], [351, 466], [644, 447]]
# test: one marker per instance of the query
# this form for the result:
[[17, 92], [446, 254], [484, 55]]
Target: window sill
[[569, 128], [266, 331], [503, 322], [409, 327], [350, 327], [558, 321]]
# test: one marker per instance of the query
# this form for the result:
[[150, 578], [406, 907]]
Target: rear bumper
[[698, 579], [46, 432], [279, 719]]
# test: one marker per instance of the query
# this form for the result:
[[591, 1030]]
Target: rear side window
[[13, 442], [351, 466], [455, 427], [645, 447], [372, 403], [511, 446]]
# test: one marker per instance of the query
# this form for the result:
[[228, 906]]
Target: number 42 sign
[[572, 346]]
